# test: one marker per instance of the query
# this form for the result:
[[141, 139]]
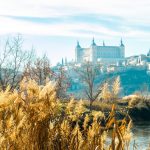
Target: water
[[141, 135]]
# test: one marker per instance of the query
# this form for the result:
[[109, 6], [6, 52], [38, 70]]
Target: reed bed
[[32, 118]]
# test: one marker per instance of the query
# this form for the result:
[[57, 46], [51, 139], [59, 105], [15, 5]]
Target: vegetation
[[33, 118], [138, 106], [38, 114], [12, 61], [88, 74], [39, 70]]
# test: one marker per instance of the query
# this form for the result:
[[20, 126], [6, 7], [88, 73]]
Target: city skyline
[[53, 27]]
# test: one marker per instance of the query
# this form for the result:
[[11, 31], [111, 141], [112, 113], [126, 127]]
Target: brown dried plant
[[32, 118]]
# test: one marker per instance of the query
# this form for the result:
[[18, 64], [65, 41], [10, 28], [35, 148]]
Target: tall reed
[[32, 118]]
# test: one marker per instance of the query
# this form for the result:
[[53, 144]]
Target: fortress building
[[103, 54]]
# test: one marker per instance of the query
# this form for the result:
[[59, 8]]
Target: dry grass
[[101, 106], [98, 106], [34, 119]]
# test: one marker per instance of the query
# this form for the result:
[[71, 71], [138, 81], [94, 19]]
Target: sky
[[53, 27]]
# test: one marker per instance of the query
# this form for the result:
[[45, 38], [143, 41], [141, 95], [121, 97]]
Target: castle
[[103, 54]]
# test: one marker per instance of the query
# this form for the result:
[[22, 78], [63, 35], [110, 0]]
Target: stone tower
[[122, 47], [78, 53]]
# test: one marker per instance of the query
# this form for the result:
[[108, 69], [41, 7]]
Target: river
[[141, 135]]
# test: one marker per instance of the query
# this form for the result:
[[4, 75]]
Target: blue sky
[[54, 26]]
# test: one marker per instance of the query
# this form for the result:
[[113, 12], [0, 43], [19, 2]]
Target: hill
[[132, 80]]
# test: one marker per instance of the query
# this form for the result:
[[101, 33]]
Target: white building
[[104, 54]]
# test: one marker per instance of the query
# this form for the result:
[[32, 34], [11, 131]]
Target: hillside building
[[104, 54]]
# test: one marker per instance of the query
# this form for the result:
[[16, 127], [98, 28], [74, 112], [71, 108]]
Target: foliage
[[105, 92], [110, 91], [116, 87], [33, 118]]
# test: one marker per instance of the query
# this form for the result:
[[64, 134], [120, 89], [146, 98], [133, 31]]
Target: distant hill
[[132, 80]]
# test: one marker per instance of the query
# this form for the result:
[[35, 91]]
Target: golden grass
[[34, 119], [101, 106]]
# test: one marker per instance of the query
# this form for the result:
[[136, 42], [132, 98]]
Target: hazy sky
[[54, 26]]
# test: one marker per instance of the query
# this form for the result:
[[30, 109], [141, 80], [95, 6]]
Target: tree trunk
[[91, 103]]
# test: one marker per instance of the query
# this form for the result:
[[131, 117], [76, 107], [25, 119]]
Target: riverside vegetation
[[34, 118], [40, 115]]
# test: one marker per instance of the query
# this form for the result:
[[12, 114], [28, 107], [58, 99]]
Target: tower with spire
[[78, 52], [122, 48], [78, 45], [121, 43], [92, 51], [93, 42]]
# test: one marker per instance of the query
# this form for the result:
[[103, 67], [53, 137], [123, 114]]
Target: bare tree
[[12, 61], [88, 74], [62, 83], [39, 70]]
